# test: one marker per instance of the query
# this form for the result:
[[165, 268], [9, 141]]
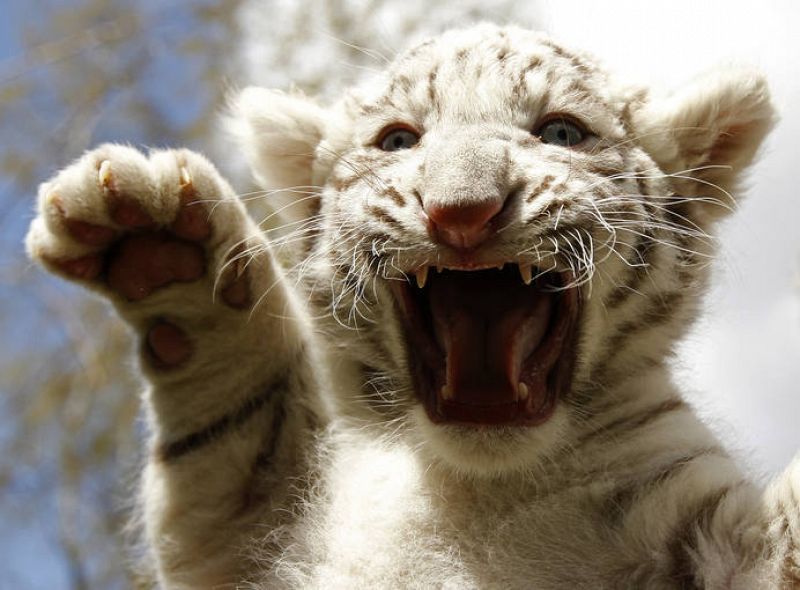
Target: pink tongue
[[487, 323]]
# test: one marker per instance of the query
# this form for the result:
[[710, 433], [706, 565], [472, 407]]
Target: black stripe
[[544, 185], [643, 254], [221, 426], [264, 457], [635, 272], [384, 216], [395, 196], [661, 310], [432, 86], [521, 84], [612, 378], [620, 501], [684, 544], [635, 421]]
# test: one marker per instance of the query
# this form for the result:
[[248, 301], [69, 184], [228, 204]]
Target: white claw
[[522, 390], [527, 274], [104, 174], [447, 393], [422, 276], [185, 178]]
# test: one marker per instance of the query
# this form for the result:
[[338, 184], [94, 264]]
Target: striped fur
[[290, 451]]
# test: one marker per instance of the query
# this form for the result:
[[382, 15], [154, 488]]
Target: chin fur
[[488, 452]]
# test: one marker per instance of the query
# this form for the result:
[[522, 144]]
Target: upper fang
[[422, 276], [525, 271]]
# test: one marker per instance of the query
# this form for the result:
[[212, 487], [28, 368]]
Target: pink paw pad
[[85, 268], [236, 292], [168, 345], [146, 262]]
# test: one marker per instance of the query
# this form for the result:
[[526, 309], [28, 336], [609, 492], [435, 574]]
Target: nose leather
[[463, 226], [466, 183]]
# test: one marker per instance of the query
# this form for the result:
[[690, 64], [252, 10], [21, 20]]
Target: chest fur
[[383, 520]]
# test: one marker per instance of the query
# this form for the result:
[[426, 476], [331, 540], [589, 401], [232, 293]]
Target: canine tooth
[[422, 276], [104, 174], [439, 268], [527, 274], [447, 393], [500, 266], [522, 390]]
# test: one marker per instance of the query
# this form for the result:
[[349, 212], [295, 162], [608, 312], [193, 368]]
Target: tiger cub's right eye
[[396, 137]]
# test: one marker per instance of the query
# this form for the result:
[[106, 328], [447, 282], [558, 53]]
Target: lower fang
[[447, 393], [422, 276], [526, 272], [522, 390]]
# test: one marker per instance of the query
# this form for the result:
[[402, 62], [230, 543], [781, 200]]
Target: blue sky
[[172, 83]]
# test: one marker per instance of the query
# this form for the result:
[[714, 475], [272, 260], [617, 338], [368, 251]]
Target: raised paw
[[132, 225]]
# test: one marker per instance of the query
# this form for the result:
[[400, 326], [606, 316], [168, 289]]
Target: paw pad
[[236, 292], [135, 224], [146, 262], [168, 346]]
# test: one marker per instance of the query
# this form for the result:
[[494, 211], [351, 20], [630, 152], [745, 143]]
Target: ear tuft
[[279, 133], [708, 133]]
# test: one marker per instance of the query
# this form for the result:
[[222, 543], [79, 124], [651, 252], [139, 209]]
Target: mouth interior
[[486, 348]]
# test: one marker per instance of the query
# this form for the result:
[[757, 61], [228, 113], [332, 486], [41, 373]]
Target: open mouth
[[489, 347]]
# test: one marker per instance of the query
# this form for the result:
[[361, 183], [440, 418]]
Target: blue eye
[[397, 138], [561, 132]]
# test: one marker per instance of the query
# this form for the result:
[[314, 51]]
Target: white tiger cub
[[462, 382]]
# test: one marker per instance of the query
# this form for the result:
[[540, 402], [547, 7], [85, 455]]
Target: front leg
[[223, 345], [740, 538], [762, 539], [782, 507]]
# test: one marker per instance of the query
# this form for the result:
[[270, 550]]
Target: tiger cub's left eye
[[398, 138], [562, 132]]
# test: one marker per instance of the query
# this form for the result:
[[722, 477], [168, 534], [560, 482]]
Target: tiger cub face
[[502, 234]]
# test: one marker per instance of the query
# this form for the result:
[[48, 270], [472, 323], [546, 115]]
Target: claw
[[186, 180], [104, 174]]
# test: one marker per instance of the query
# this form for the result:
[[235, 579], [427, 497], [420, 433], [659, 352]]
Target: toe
[[236, 290], [192, 220], [86, 233], [85, 268], [122, 209], [237, 294]]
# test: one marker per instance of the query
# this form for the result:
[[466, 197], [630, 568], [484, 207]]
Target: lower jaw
[[530, 412], [489, 416], [481, 452]]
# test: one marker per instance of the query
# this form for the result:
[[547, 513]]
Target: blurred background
[[74, 73]]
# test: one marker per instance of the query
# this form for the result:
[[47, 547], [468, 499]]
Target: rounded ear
[[279, 133], [706, 135]]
